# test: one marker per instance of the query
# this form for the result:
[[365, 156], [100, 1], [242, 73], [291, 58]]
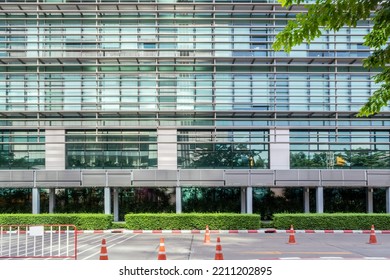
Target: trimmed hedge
[[189, 221], [81, 221], [336, 221]]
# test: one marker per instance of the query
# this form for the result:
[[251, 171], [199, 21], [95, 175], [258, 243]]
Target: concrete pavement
[[235, 246]]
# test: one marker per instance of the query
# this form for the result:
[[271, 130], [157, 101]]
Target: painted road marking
[[110, 246], [303, 253]]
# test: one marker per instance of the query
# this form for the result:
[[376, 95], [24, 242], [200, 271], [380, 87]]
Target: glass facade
[[111, 74], [359, 148], [22, 149], [223, 149], [111, 149]]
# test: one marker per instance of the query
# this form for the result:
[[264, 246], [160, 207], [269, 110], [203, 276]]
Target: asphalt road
[[244, 250], [235, 246]]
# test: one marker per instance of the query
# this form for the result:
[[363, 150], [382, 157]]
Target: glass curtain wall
[[22, 149], [340, 149], [169, 56], [223, 149], [111, 149]]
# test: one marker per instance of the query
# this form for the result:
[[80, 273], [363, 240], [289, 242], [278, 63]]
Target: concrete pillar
[[306, 199], [167, 157], [249, 200], [388, 200], [107, 200], [279, 148], [52, 200], [370, 200], [36, 201], [35, 197], [116, 204], [107, 197], [178, 200], [320, 199], [243, 200], [55, 155], [55, 149], [167, 149]]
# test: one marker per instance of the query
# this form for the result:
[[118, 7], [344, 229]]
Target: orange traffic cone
[[161, 250], [372, 239], [207, 235], [291, 239], [103, 251], [218, 250]]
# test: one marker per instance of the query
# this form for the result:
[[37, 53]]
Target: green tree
[[214, 199], [333, 15], [300, 160], [345, 200], [223, 155]]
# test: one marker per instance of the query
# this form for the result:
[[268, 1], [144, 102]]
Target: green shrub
[[187, 221], [118, 225], [336, 221], [81, 221]]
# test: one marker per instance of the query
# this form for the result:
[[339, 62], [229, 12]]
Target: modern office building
[[182, 93]]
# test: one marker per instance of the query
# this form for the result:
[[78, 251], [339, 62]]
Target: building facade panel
[[183, 92]]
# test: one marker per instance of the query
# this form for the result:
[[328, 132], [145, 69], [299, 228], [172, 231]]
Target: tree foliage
[[356, 159], [333, 15], [223, 155], [200, 199]]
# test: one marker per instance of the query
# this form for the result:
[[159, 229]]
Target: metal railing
[[38, 241]]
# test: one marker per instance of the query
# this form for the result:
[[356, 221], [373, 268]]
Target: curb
[[259, 231], [233, 231], [325, 258]]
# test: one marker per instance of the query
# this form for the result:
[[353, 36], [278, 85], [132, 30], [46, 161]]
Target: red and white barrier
[[38, 241]]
